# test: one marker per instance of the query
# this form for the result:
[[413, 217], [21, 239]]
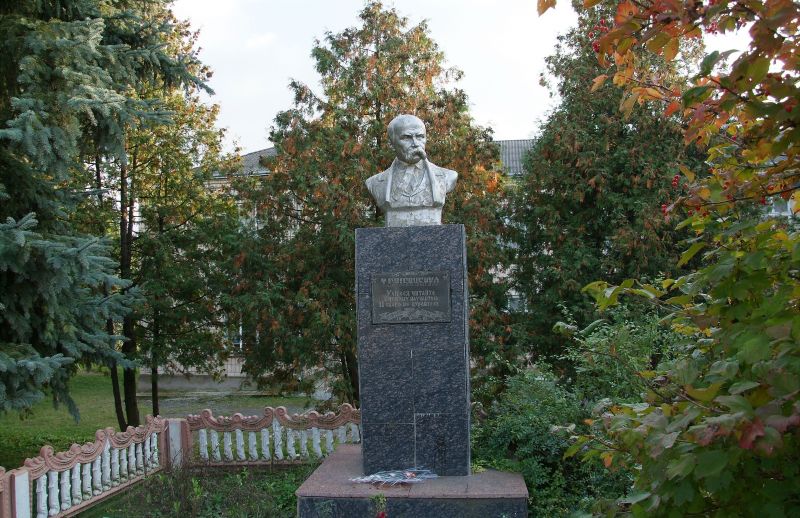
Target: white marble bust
[[411, 192]]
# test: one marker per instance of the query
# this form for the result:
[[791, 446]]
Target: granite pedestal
[[411, 289], [329, 493], [413, 359]]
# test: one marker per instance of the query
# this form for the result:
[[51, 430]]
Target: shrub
[[611, 356], [519, 435]]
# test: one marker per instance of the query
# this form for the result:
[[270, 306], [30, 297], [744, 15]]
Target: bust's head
[[407, 137]]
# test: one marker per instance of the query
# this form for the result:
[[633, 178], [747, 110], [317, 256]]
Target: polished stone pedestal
[[329, 493], [413, 348]]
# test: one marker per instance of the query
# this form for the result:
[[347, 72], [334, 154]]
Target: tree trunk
[[123, 424], [350, 373], [154, 381], [155, 344], [129, 345], [129, 375], [121, 421]]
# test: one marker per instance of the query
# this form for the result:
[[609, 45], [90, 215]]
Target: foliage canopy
[[297, 271], [718, 430]]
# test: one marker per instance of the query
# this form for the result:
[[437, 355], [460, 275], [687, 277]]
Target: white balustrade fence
[[61, 484], [64, 483], [275, 436]]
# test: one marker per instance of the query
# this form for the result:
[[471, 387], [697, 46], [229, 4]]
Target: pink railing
[[5, 499], [64, 483]]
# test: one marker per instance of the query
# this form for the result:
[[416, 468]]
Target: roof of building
[[512, 154], [251, 163]]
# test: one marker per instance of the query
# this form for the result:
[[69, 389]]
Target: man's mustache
[[421, 153]]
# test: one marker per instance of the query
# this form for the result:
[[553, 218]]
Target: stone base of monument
[[330, 493]]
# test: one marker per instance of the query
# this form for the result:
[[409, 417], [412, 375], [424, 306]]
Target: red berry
[[763, 200]]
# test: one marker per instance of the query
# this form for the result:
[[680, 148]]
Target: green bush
[[610, 356], [520, 435]]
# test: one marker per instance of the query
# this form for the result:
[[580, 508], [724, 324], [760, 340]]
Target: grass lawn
[[22, 438], [204, 492]]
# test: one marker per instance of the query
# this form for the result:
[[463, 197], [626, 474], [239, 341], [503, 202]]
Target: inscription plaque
[[410, 297]]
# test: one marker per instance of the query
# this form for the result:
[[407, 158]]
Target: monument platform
[[329, 493]]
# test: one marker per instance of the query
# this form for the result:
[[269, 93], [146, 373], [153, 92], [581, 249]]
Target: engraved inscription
[[410, 297]]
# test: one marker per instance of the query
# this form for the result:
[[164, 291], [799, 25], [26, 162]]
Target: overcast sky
[[256, 46]]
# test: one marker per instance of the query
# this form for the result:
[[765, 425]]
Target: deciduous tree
[[588, 205], [717, 433], [297, 273]]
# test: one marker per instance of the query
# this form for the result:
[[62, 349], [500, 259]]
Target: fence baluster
[[148, 462], [87, 480], [266, 455], [131, 461], [315, 442], [154, 447], [203, 435], [105, 465], [66, 492], [114, 466], [41, 496], [226, 441], [240, 445], [123, 464], [290, 443], [76, 484], [97, 483], [215, 446], [277, 439], [304, 443], [328, 442], [52, 490], [342, 432], [354, 432], [252, 445], [139, 460]]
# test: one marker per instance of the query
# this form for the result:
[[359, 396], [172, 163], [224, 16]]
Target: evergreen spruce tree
[[296, 270], [68, 75], [589, 203]]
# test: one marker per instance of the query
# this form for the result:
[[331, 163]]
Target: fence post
[[15, 500], [178, 442], [5, 500]]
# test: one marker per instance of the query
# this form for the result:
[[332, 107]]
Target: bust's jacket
[[442, 181]]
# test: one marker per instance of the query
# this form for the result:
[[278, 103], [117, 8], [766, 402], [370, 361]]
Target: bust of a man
[[411, 192]]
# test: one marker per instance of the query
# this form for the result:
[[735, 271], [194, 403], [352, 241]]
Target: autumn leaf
[[671, 108], [671, 49], [625, 11], [543, 5], [750, 433], [598, 81]]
